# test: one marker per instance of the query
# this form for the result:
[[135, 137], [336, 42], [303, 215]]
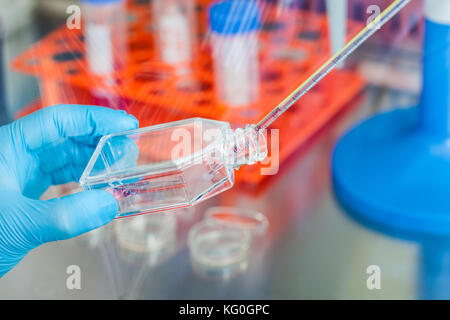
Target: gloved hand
[[49, 147]]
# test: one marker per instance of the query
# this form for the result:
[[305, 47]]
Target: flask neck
[[246, 146]]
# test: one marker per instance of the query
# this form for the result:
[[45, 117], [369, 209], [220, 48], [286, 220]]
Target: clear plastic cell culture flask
[[172, 165]]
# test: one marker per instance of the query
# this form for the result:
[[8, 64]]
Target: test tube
[[234, 26], [105, 35], [337, 24], [251, 220], [174, 26]]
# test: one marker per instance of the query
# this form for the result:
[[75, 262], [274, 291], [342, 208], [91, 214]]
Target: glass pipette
[[351, 46]]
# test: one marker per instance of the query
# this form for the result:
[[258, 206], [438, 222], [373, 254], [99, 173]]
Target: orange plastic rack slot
[[155, 92]]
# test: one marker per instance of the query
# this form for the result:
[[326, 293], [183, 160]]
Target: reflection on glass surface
[[94, 238], [175, 31], [105, 35], [234, 34], [251, 220]]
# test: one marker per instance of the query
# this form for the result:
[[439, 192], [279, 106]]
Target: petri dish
[[251, 220], [149, 237], [92, 239], [219, 250]]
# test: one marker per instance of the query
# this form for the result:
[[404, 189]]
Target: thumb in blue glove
[[50, 147]]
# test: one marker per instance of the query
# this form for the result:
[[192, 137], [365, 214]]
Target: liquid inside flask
[[172, 165]]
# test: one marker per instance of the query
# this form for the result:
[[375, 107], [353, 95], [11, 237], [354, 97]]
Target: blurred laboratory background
[[312, 221]]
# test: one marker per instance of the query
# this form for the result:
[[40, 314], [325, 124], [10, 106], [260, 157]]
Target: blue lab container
[[392, 171]]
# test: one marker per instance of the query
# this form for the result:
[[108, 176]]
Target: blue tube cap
[[234, 16]]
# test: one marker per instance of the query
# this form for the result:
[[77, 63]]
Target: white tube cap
[[438, 11]]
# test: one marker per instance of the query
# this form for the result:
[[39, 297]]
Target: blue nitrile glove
[[50, 147]]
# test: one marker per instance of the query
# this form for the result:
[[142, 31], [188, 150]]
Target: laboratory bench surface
[[314, 249]]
